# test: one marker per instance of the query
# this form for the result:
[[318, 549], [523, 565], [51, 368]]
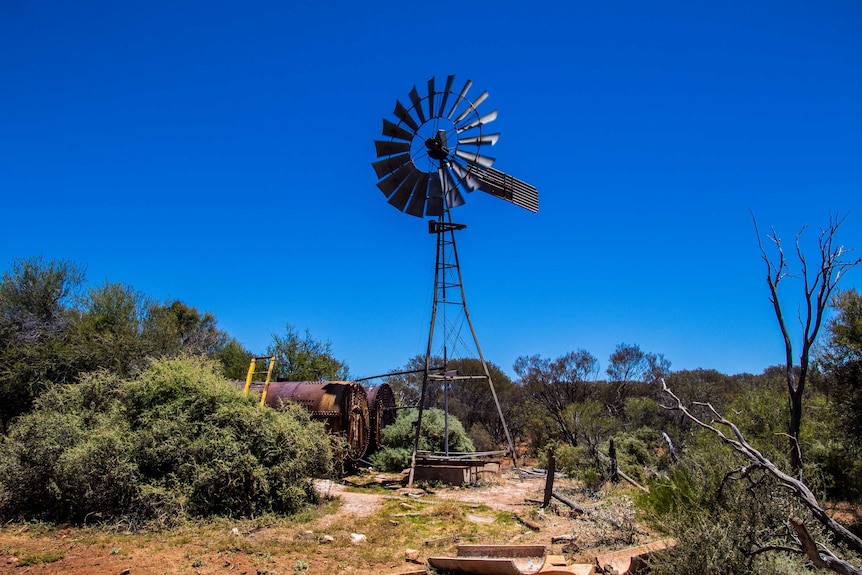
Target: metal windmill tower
[[431, 157]]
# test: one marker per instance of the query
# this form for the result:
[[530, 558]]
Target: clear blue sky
[[219, 153]]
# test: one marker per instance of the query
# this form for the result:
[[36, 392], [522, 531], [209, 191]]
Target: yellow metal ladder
[[268, 364]]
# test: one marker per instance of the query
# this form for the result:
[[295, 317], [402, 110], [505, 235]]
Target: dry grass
[[270, 545]]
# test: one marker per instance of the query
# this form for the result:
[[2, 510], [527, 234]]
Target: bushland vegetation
[[115, 407], [111, 401], [177, 440]]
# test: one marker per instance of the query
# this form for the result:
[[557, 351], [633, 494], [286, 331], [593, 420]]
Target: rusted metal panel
[[448, 474], [632, 559], [382, 409], [519, 551], [474, 566], [493, 560]]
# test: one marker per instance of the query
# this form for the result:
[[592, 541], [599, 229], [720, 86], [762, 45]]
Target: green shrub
[[643, 412], [392, 458], [178, 440], [398, 438], [720, 515], [571, 460], [670, 494], [576, 461]]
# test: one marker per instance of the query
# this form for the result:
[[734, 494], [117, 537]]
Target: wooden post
[[549, 482], [615, 470]]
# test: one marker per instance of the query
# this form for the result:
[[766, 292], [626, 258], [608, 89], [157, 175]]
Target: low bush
[[176, 441], [399, 437], [720, 516]]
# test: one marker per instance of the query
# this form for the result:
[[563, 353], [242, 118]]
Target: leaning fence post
[[549, 481]]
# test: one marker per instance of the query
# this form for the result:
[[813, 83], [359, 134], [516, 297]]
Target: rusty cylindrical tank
[[342, 405], [381, 406]]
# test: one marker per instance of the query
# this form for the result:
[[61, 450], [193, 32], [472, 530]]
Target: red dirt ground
[[286, 547]]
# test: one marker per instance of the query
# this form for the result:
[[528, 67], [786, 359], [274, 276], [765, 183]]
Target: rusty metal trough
[[493, 560]]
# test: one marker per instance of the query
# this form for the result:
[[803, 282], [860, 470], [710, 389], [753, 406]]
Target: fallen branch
[[632, 481], [568, 502], [530, 524], [830, 562]]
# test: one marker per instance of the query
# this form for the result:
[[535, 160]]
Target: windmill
[[432, 157]]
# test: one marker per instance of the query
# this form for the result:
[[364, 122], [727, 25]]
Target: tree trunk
[[793, 430]]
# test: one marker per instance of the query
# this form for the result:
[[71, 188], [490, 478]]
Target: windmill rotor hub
[[437, 147], [431, 145]]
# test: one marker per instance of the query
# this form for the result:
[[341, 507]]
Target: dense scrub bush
[[576, 462], [178, 440], [719, 518], [398, 438]]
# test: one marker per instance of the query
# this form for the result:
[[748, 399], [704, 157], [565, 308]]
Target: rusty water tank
[[381, 406], [342, 405]]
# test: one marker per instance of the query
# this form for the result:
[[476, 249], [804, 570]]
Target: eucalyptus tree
[[303, 358], [556, 384], [37, 312]]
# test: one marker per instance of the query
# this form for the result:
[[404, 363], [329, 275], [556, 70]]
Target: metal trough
[[493, 560]]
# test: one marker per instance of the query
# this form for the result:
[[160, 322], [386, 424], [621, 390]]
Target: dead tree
[[818, 285], [819, 555]]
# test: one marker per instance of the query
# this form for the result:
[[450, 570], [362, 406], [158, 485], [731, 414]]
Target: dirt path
[[296, 547]]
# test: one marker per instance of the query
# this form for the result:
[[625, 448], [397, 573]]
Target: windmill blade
[[431, 94], [486, 119], [450, 189], [489, 139], [404, 115], [390, 164], [465, 177], [416, 207], [509, 188], [417, 104], [449, 81], [389, 148], [400, 197], [435, 196], [460, 97], [391, 182], [475, 158], [482, 97], [396, 131]]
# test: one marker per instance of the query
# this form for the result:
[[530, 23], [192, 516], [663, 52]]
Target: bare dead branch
[[810, 546], [632, 481], [799, 490], [767, 548]]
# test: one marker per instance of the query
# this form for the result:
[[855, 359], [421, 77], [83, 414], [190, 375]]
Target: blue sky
[[219, 153]]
